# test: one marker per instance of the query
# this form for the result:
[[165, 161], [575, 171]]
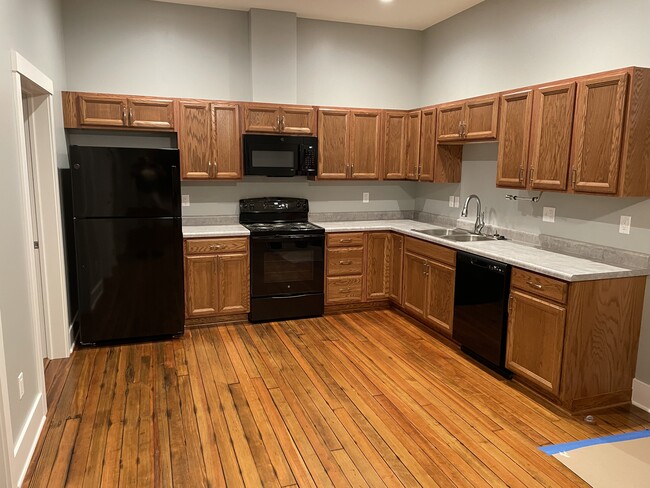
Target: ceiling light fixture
[[386, 1]]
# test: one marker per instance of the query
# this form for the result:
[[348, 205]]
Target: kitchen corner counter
[[561, 266], [198, 231]]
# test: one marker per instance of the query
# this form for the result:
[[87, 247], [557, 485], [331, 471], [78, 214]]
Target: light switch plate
[[366, 197], [456, 202], [625, 225], [185, 200], [549, 214], [451, 201]]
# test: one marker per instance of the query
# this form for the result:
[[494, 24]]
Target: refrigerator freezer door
[[125, 182], [130, 275]]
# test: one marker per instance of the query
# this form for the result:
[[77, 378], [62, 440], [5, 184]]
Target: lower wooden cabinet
[[378, 260], [396, 267], [535, 339], [217, 280], [415, 284]]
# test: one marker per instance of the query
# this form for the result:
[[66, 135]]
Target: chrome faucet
[[480, 216]]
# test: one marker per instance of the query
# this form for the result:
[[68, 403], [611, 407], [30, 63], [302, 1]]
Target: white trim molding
[[28, 439], [28, 70], [641, 395]]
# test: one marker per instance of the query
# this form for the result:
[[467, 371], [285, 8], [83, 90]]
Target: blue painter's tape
[[570, 446]]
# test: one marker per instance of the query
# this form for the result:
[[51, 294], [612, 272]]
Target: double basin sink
[[456, 235]]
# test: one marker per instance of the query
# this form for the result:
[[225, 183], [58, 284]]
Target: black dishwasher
[[481, 309]]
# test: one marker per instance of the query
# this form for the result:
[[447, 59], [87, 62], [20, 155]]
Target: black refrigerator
[[129, 243]]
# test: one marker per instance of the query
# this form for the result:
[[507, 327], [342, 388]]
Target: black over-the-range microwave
[[275, 155]]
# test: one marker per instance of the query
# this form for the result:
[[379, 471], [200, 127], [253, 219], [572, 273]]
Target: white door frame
[[6, 439]]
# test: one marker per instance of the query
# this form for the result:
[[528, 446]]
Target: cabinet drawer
[[344, 290], [211, 246], [346, 239], [431, 251], [344, 261], [540, 285]]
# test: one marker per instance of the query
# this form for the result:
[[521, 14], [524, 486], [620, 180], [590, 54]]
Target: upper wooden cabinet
[[209, 140], [395, 126], [89, 110], [413, 127], [470, 120], [427, 144], [349, 144], [516, 112], [284, 119]]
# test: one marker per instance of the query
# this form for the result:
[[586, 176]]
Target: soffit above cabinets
[[405, 14]]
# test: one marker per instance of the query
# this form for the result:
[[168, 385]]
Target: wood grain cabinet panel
[[102, 111], [225, 142], [427, 144], [535, 340], [333, 144], [395, 123], [365, 144], [597, 135], [233, 283], [345, 239], [550, 144], [344, 261], [151, 113], [285, 119], [396, 267], [413, 145], [450, 122], [261, 118], [346, 289], [481, 119], [298, 120], [512, 161], [201, 287], [440, 295], [194, 140], [415, 284], [378, 265]]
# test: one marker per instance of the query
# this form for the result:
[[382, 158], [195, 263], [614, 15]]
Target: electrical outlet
[[21, 385], [451, 201], [626, 223], [185, 200], [366, 197], [456, 202], [549, 214]]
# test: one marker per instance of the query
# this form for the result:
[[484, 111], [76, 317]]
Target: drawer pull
[[534, 285], [344, 290], [215, 247], [345, 241], [345, 263]]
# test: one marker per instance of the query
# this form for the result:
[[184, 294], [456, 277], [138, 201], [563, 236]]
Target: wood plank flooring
[[359, 399]]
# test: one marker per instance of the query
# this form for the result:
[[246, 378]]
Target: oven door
[[288, 264]]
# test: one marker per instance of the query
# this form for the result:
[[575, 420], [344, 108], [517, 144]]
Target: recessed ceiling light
[[386, 1]]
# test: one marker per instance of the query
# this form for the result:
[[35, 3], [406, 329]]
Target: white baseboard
[[26, 443], [641, 395]]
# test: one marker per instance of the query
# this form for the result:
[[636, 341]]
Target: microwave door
[[272, 159]]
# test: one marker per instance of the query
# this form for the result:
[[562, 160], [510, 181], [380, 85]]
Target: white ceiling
[[406, 14]]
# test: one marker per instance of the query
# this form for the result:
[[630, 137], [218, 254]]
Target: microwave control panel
[[309, 159]]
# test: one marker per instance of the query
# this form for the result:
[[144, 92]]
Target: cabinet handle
[[521, 174], [277, 123], [214, 247], [460, 128], [530, 174], [511, 300], [534, 285], [345, 241], [574, 177], [282, 129], [131, 116], [345, 263], [124, 115], [345, 290]]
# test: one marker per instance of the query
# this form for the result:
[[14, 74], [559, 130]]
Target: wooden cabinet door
[[201, 295], [427, 144], [440, 295], [481, 119], [535, 340], [597, 133], [396, 262], [102, 111], [233, 283], [298, 120], [333, 144], [365, 144], [415, 284], [262, 118], [450, 122], [512, 161], [395, 145], [413, 145], [378, 260], [550, 136], [151, 113], [225, 142], [194, 140]]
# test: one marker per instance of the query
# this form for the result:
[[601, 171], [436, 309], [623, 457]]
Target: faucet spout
[[480, 216]]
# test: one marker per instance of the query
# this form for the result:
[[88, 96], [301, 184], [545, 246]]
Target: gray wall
[[33, 28], [504, 44]]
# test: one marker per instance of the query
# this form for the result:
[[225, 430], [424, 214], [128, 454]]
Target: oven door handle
[[288, 236]]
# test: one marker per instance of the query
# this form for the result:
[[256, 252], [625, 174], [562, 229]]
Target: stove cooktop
[[272, 228]]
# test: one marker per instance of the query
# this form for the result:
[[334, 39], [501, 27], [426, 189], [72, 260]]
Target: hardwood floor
[[358, 399]]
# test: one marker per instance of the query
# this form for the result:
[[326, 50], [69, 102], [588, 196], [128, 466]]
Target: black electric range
[[287, 259]]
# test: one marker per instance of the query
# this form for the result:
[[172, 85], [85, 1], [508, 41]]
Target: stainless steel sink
[[442, 232], [467, 238]]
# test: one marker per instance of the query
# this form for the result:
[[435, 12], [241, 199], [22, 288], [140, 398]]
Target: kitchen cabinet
[[396, 267], [439, 163], [413, 120], [471, 120], [378, 265], [429, 279], [217, 281], [512, 160], [349, 144], [96, 110], [283, 119], [344, 268], [427, 144], [209, 140], [395, 126]]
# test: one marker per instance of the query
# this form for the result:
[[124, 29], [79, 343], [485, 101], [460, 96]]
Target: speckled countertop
[[568, 268]]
